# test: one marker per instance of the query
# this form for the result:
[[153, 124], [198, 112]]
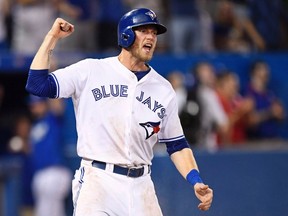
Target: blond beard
[[137, 53]]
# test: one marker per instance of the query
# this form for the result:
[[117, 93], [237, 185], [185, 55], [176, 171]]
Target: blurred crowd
[[194, 25], [217, 111], [33, 133]]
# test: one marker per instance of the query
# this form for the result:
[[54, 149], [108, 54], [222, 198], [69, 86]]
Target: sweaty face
[[145, 42]]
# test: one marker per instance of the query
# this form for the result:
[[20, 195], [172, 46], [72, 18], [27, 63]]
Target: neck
[[130, 62]]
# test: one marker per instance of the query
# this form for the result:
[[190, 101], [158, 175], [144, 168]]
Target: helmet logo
[[151, 14]]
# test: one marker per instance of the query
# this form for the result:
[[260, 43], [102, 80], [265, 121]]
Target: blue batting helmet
[[135, 18]]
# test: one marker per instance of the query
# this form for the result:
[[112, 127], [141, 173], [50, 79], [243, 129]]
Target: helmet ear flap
[[124, 37], [127, 38]]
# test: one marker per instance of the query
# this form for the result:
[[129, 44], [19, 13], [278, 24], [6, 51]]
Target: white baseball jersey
[[119, 119]]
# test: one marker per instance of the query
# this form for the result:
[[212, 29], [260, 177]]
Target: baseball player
[[123, 107]]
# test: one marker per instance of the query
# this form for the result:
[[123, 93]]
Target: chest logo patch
[[150, 128]]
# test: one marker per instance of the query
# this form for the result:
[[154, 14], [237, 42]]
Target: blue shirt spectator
[[268, 109]]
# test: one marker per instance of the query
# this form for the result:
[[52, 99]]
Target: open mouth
[[147, 47]]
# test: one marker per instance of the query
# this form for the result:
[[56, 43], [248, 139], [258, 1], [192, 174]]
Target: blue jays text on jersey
[[148, 100], [111, 91], [121, 91]]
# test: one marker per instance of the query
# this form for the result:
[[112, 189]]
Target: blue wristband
[[193, 177]]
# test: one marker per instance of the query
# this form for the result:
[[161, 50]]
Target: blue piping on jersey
[[171, 139], [57, 85]]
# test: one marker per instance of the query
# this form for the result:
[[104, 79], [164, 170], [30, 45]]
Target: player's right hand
[[61, 28]]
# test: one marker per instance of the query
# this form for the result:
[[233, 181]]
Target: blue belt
[[130, 172]]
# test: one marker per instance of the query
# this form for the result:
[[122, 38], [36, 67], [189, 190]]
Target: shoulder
[[158, 78], [83, 64]]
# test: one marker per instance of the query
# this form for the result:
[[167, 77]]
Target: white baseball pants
[[98, 192]]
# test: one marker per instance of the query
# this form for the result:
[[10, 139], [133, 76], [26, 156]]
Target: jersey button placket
[[130, 110]]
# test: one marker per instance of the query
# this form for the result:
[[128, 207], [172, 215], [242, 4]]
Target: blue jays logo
[[150, 128], [151, 14]]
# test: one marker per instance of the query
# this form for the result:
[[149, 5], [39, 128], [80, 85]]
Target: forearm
[[42, 58], [39, 82], [187, 166], [59, 30], [184, 161]]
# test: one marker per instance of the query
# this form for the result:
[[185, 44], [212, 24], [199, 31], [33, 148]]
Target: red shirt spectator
[[236, 107]]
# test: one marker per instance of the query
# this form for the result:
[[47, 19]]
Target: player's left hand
[[204, 194]]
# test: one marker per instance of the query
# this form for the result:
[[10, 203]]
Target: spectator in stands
[[185, 26], [213, 117], [83, 15], [236, 107], [51, 179], [18, 145], [268, 111], [206, 27], [19, 142], [108, 15], [269, 17], [4, 10], [31, 19], [210, 118], [176, 78], [233, 30]]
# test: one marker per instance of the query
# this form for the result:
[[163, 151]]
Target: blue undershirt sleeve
[[176, 145], [42, 84]]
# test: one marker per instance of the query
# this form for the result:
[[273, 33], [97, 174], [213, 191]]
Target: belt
[[129, 172]]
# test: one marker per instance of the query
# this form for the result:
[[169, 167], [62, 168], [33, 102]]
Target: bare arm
[[60, 29], [185, 162], [254, 34]]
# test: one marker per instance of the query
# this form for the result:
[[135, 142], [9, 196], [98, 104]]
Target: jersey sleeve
[[171, 128], [71, 80]]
